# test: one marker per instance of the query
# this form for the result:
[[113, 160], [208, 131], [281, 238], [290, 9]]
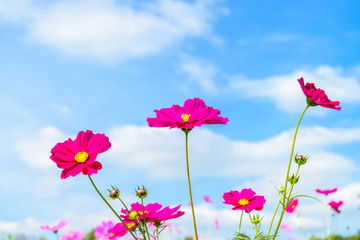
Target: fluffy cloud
[[285, 92], [109, 30], [202, 73], [212, 154], [35, 149]]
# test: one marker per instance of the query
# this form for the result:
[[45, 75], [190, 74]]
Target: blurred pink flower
[[79, 155], [326, 191], [72, 235], [316, 96], [153, 214], [104, 231], [335, 205], [207, 199], [193, 114], [54, 228], [286, 228], [244, 200], [292, 205], [217, 224]]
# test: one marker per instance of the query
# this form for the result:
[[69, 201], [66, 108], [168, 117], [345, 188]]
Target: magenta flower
[[316, 96], [54, 228], [207, 199], [153, 214], [217, 226], [292, 205], [244, 200], [103, 231], [72, 235], [193, 114], [286, 228], [335, 205], [79, 155], [326, 191]]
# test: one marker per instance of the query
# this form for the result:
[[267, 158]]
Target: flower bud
[[300, 159], [292, 179], [255, 219], [141, 192], [114, 193], [282, 189]]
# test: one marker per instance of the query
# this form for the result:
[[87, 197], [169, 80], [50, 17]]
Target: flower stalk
[[186, 131], [287, 174]]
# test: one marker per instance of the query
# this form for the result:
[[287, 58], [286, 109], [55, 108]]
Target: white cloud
[[286, 93], [162, 153], [28, 226], [35, 149], [201, 73], [108, 30]]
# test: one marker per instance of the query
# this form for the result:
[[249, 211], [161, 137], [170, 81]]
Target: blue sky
[[67, 66]]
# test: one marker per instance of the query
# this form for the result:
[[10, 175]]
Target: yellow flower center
[[133, 215], [130, 225], [81, 157], [142, 213], [111, 235], [185, 117], [72, 236], [293, 206], [243, 202]]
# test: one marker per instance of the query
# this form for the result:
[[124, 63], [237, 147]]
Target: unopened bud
[[255, 219], [114, 193], [300, 159], [292, 179], [282, 189], [141, 192]]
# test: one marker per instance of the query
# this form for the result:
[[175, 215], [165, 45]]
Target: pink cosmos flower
[[54, 228], [217, 226], [316, 96], [153, 214], [292, 205], [72, 235], [286, 228], [103, 231], [207, 199], [79, 155], [335, 205], [326, 191], [193, 114], [244, 200]]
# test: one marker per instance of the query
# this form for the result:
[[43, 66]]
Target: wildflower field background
[[105, 65]]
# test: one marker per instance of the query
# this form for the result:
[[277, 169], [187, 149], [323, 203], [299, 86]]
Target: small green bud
[[292, 179], [300, 159], [282, 189], [255, 219], [141, 192]]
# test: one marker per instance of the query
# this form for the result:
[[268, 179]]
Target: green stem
[[57, 235], [287, 173], [242, 212], [292, 186], [188, 177], [145, 226], [272, 220], [122, 221]]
